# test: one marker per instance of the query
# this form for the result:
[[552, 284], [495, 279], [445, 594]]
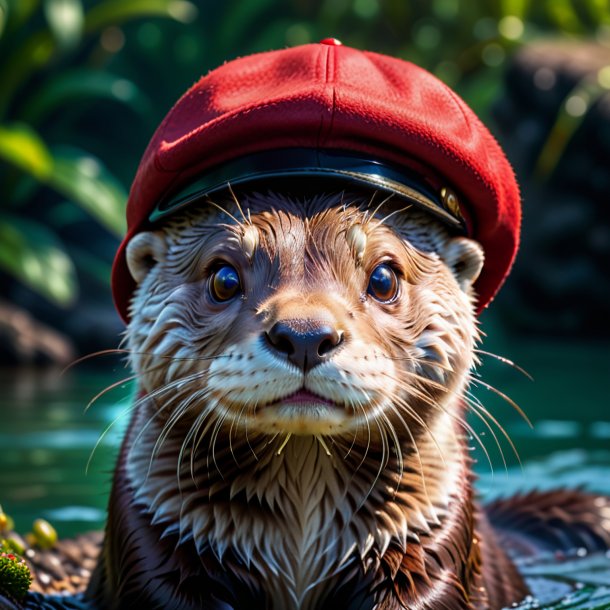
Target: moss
[[15, 577]]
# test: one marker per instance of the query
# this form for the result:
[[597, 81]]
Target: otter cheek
[[465, 259], [143, 252]]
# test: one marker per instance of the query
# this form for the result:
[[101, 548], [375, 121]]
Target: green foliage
[[15, 577], [32, 253], [47, 69]]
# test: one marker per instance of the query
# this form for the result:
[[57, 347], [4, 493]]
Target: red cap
[[330, 98]]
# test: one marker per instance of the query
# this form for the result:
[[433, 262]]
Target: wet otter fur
[[302, 444]]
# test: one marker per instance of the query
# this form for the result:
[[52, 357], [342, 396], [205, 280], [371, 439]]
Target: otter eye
[[383, 284], [224, 283]]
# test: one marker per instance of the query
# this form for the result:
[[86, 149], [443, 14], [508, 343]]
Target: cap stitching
[[327, 68]]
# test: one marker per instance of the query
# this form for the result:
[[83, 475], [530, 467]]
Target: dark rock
[[559, 284]]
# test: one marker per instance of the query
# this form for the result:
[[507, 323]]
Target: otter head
[[304, 317]]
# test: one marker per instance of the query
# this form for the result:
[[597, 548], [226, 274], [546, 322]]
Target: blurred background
[[83, 85]]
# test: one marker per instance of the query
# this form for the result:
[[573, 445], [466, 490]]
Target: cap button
[[451, 202], [333, 42]]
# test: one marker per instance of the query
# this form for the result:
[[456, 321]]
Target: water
[[46, 441]]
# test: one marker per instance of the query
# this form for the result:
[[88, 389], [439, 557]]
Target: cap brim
[[304, 162]]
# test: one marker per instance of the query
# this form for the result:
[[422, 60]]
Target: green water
[[46, 441]]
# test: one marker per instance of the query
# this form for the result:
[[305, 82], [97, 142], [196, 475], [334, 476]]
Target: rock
[[561, 154]]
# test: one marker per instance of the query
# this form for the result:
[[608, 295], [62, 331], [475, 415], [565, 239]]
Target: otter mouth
[[304, 399], [303, 413]]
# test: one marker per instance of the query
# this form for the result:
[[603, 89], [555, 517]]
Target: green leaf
[[66, 19], [38, 49], [75, 85], [26, 58], [73, 173], [111, 12], [563, 15], [599, 10], [32, 254], [516, 8], [83, 179], [22, 147], [21, 11], [4, 14], [237, 29]]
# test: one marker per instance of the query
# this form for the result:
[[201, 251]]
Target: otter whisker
[[421, 363], [108, 352], [506, 398], [394, 437], [254, 406], [487, 413], [178, 413], [470, 399], [191, 437], [233, 422], [356, 432], [506, 361], [367, 206], [370, 215], [461, 422], [382, 462], [184, 445], [180, 410], [271, 439], [157, 412], [385, 218], [224, 211], [178, 358], [171, 422], [416, 447], [135, 404], [164, 388], [368, 440], [214, 438], [103, 352], [109, 388], [320, 440], [403, 403], [236, 200], [105, 431], [284, 443], [196, 435]]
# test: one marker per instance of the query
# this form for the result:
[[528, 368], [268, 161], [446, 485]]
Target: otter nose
[[306, 343]]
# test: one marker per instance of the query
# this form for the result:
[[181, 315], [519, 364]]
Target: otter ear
[[143, 252], [465, 259]]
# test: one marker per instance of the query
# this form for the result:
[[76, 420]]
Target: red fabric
[[334, 97]]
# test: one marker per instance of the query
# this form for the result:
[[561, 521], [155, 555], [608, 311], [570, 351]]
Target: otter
[[300, 437]]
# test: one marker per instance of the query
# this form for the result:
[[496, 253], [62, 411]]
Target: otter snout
[[305, 342]]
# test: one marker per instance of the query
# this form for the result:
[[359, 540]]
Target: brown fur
[[221, 497]]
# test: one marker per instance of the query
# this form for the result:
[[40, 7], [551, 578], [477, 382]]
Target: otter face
[[303, 318]]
